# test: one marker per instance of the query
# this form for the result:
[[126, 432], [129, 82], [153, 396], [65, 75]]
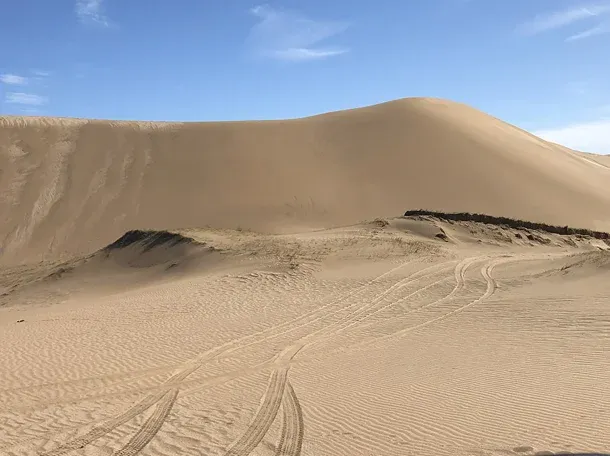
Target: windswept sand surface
[[73, 186], [265, 316], [376, 339]]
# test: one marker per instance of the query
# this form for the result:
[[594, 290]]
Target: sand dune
[[72, 186], [250, 289]]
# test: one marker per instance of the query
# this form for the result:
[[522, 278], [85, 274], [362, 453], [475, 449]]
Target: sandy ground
[[69, 187], [374, 339], [265, 316]]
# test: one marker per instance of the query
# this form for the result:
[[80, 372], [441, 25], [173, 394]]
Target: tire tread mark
[[293, 428], [108, 426], [460, 275], [486, 271], [360, 313], [194, 364], [314, 313], [151, 427], [460, 282], [103, 429], [264, 417], [333, 328]]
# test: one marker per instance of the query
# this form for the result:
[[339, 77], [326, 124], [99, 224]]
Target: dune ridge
[[71, 186]]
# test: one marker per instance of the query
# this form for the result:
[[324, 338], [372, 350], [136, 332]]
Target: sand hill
[[72, 186], [211, 289]]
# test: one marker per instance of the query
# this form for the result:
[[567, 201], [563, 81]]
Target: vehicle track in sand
[[265, 415], [194, 364], [459, 272], [293, 425], [150, 428], [222, 349], [351, 319], [106, 427], [369, 309], [486, 272], [292, 428]]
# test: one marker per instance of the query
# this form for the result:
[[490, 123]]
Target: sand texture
[[237, 289]]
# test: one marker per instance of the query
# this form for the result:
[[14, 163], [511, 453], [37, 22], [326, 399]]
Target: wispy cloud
[[563, 18], [594, 31], [587, 137], [291, 36], [296, 54], [13, 79], [28, 99], [91, 12]]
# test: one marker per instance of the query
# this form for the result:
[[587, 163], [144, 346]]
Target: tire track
[[293, 427], [486, 272], [460, 282], [140, 407], [229, 347], [313, 313], [492, 285], [263, 420], [150, 428], [405, 281], [108, 426], [355, 319], [361, 313], [264, 417], [193, 365]]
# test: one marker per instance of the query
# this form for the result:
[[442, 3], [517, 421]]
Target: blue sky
[[543, 65]]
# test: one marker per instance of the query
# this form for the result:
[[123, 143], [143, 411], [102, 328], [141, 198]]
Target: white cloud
[[28, 99], [563, 18], [290, 36], [587, 137], [296, 54], [13, 79], [594, 31], [41, 74], [91, 12]]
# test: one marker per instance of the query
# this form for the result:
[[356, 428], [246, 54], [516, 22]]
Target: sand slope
[[72, 186]]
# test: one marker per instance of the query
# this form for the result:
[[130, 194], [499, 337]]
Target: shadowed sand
[[241, 289]]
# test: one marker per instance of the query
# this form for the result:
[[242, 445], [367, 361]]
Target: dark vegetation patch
[[508, 222], [148, 239]]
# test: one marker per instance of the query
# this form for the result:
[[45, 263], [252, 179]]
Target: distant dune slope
[[73, 186], [603, 160]]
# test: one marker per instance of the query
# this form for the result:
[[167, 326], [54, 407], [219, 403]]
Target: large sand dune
[[240, 324], [71, 186]]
